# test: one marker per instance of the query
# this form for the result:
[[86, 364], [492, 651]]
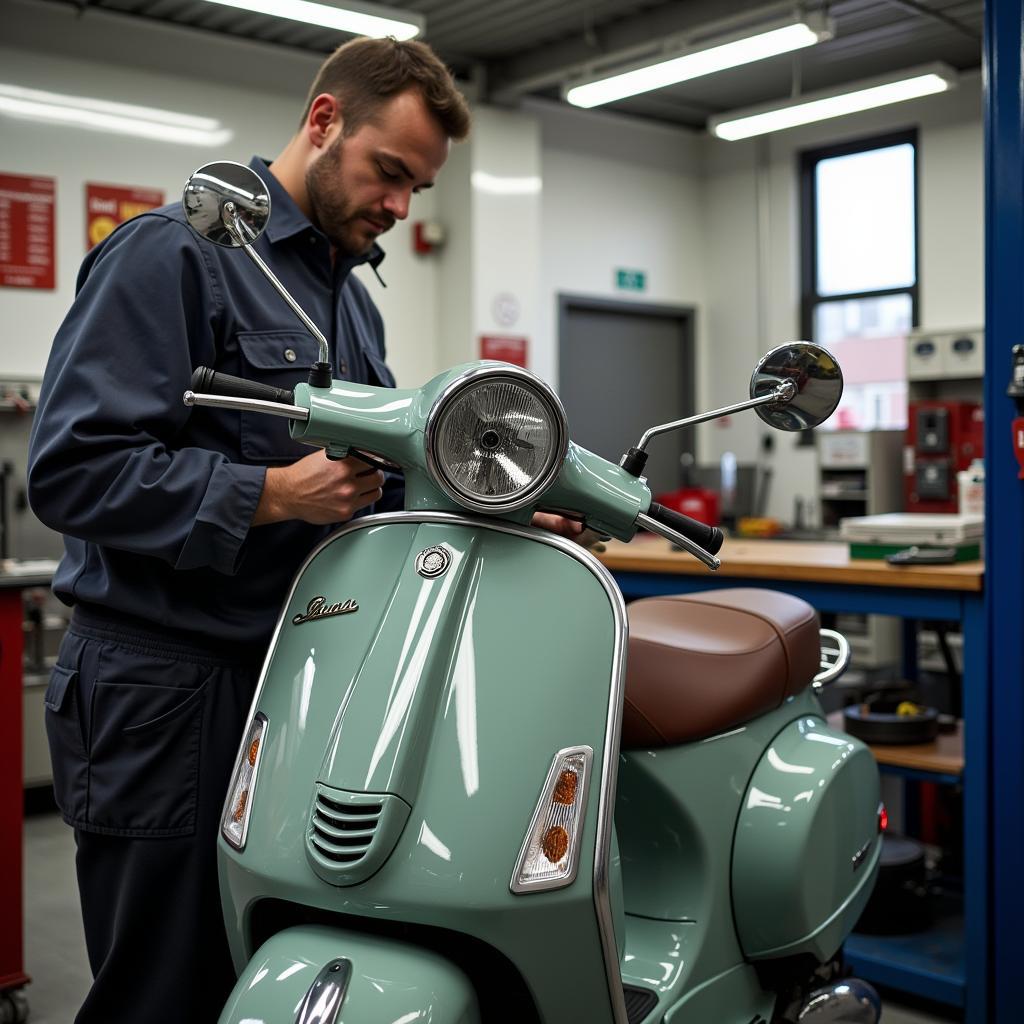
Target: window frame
[[809, 160]]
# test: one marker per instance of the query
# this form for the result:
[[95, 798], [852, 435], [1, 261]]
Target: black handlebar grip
[[710, 538], [209, 382]]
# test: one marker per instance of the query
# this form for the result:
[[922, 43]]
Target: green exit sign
[[631, 280]]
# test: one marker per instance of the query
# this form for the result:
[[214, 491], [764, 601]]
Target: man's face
[[359, 185]]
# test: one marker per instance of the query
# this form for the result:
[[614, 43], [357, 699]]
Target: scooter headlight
[[496, 439]]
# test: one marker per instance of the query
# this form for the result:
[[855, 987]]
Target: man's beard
[[332, 213]]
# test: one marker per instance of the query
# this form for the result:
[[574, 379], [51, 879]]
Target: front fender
[[389, 981]]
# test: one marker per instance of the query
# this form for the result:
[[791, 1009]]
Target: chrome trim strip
[[323, 999], [291, 412], [543, 801], [613, 731], [523, 378]]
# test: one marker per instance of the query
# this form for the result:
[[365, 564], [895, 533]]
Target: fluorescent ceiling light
[[743, 50], [358, 18], [107, 116], [506, 186], [819, 106]]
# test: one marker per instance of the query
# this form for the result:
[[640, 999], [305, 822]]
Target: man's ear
[[324, 120]]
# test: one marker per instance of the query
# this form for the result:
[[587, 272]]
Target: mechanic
[[183, 528]]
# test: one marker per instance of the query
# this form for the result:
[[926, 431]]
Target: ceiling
[[516, 48]]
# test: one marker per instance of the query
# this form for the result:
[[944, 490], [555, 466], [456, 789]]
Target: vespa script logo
[[318, 608]]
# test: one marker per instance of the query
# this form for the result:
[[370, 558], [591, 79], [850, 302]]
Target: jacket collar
[[287, 220]]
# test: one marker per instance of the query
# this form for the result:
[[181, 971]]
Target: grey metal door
[[624, 367]]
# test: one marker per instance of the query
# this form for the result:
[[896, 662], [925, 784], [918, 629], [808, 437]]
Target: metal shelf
[[931, 963]]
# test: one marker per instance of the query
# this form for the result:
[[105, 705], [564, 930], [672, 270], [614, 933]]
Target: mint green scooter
[[475, 787]]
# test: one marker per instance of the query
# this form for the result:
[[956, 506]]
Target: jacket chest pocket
[[281, 359]]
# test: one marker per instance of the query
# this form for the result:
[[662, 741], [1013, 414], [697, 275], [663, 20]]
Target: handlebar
[[210, 382], [221, 390], [655, 520], [710, 538]]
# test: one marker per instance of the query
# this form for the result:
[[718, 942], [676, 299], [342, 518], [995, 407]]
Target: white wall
[[754, 254], [507, 232], [262, 121], [617, 193], [713, 224], [489, 204]]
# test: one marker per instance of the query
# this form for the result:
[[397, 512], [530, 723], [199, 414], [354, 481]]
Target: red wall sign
[[106, 206], [508, 350], [26, 231]]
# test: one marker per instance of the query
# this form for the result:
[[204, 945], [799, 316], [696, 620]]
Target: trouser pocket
[[64, 735], [146, 716]]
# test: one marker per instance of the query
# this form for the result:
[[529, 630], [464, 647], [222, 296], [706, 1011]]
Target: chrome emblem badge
[[318, 608], [433, 562]]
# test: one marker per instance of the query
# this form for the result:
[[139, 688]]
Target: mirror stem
[[236, 226], [783, 393], [636, 458]]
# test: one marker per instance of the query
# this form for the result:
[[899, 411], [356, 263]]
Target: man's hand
[[558, 524], [318, 490], [571, 528]]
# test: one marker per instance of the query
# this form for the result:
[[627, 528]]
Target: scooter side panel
[[660, 957], [457, 702], [733, 997], [676, 812], [388, 981], [807, 844]]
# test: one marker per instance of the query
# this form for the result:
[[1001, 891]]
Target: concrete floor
[[55, 949]]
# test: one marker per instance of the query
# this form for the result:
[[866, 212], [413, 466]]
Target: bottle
[[971, 486]]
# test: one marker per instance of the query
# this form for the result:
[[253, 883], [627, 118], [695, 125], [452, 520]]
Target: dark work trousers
[[143, 729]]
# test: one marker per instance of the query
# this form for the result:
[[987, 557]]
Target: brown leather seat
[[700, 664]]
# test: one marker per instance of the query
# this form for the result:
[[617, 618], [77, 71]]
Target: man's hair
[[362, 75]]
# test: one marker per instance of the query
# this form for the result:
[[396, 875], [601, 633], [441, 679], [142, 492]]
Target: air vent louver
[[350, 834], [344, 834]]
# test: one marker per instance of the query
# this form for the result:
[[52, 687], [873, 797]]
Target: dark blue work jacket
[[155, 500]]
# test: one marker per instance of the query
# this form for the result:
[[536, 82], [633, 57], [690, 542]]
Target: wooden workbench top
[[809, 561], [945, 754]]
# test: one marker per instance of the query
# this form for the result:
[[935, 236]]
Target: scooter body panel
[[813, 801], [676, 812], [381, 981], [665, 957], [453, 695], [391, 422]]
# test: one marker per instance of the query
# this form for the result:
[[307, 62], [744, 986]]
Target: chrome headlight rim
[[496, 374]]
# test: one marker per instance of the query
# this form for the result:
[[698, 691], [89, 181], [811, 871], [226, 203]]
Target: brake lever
[[648, 523], [291, 412]]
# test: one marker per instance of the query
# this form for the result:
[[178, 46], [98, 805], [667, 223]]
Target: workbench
[[953, 967]]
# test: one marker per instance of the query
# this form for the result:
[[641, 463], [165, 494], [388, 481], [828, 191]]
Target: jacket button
[[289, 354]]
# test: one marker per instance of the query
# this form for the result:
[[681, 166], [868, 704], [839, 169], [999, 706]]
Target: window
[[860, 271]]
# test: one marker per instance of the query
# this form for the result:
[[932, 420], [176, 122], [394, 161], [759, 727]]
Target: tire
[[13, 1007]]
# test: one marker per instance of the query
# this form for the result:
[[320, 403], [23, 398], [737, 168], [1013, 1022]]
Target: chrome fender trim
[[613, 730], [325, 996]]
